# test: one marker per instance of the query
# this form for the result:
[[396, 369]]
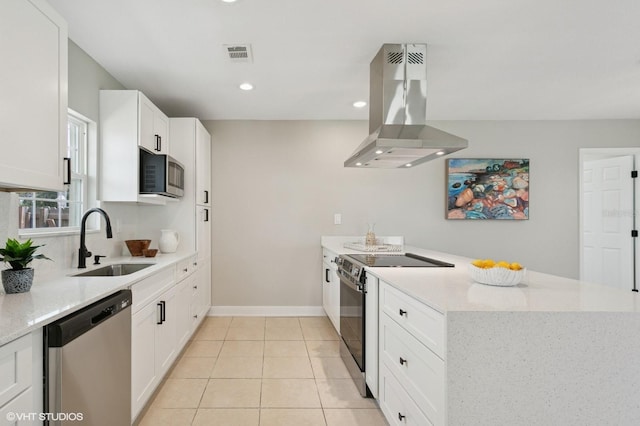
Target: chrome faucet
[[83, 253]]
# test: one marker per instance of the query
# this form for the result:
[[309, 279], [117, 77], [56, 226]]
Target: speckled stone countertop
[[452, 289], [48, 301]]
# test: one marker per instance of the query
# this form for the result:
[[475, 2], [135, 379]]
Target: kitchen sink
[[115, 270]]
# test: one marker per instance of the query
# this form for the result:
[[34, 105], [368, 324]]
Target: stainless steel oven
[[353, 294], [352, 319]]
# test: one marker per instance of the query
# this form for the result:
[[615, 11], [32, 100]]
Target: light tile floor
[[257, 371]]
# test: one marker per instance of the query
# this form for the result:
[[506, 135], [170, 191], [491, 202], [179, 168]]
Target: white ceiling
[[489, 59]]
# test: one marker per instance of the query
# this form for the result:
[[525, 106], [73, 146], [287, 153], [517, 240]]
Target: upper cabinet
[[33, 106], [154, 127], [203, 165], [128, 121]]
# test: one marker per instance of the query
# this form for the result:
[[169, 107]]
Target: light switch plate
[[337, 219]]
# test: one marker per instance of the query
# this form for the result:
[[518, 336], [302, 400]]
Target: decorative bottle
[[370, 239]]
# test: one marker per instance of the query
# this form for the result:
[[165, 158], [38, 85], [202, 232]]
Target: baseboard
[[266, 311]]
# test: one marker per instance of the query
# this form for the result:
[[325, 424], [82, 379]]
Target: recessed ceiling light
[[408, 165], [358, 164], [229, 1], [440, 153], [359, 104], [379, 151], [246, 86]]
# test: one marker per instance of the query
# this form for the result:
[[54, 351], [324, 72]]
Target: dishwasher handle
[[66, 329]]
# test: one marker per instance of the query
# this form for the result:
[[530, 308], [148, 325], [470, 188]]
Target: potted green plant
[[19, 277]]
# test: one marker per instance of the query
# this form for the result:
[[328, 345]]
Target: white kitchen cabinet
[[203, 233], [192, 217], [128, 121], [154, 336], [203, 165], [201, 296], [21, 372], [331, 288], [153, 125], [186, 275], [33, 83], [411, 359]]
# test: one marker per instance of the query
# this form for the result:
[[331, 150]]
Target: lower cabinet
[[21, 372], [331, 288], [167, 308], [201, 296], [411, 385], [153, 346]]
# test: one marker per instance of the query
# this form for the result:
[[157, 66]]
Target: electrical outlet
[[337, 219]]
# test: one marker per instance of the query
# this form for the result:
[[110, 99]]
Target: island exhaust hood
[[399, 136]]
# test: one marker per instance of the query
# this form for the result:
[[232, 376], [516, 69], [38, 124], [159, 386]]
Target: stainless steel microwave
[[161, 174]]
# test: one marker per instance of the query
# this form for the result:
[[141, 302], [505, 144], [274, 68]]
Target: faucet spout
[[83, 253]]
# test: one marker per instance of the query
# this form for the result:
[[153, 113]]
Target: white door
[[607, 221]]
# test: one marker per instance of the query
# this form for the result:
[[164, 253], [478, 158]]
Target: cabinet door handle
[[163, 311], [195, 287], [326, 275], [67, 179], [403, 312], [160, 306], [206, 197], [159, 143], [206, 215], [401, 417], [402, 361], [185, 270]]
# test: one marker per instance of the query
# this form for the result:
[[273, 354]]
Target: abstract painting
[[480, 188]]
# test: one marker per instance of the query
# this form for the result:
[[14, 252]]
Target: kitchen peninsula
[[552, 350]]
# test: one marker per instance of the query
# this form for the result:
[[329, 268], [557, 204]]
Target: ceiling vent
[[238, 52]]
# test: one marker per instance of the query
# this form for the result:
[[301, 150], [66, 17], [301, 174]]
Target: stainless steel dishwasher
[[88, 364]]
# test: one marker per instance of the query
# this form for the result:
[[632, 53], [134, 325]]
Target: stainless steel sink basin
[[115, 270]]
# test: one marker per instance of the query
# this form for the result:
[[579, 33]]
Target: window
[[45, 212]]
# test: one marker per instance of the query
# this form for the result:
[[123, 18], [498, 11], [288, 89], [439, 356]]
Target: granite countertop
[[452, 289], [48, 301]]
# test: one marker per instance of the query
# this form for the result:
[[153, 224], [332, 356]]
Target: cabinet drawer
[[420, 371], [186, 267], [15, 368], [395, 403], [145, 291], [328, 256], [23, 405], [425, 323]]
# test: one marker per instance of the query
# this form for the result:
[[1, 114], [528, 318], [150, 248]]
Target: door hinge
[[634, 174], [634, 233]]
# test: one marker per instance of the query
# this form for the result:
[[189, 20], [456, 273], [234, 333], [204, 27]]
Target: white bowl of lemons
[[502, 273]]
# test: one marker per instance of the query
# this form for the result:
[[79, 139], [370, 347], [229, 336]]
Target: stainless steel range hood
[[399, 136]]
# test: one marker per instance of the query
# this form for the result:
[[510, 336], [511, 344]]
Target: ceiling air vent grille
[[415, 58], [238, 52], [394, 57]]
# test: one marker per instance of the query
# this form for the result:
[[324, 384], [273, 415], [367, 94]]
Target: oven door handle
[[352, 286]]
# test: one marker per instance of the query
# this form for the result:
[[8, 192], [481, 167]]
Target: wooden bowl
[[149, 252], [136, 246]]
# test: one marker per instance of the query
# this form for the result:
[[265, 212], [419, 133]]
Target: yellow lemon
[[478, 263], [503, 264], [488, 263], [515, 266]]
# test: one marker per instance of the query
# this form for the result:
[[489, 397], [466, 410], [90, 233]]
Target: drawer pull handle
[[402, 361], [401, 417], [403, 312]]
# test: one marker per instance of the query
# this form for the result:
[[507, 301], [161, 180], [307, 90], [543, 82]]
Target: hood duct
[[399, 136]]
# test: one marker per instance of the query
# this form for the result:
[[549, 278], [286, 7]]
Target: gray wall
[[86, 78], [277, 184]]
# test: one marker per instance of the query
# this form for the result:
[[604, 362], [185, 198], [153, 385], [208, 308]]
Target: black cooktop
[[408, 260]]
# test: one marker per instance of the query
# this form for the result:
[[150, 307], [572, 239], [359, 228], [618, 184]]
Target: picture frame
[[487, 189]]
